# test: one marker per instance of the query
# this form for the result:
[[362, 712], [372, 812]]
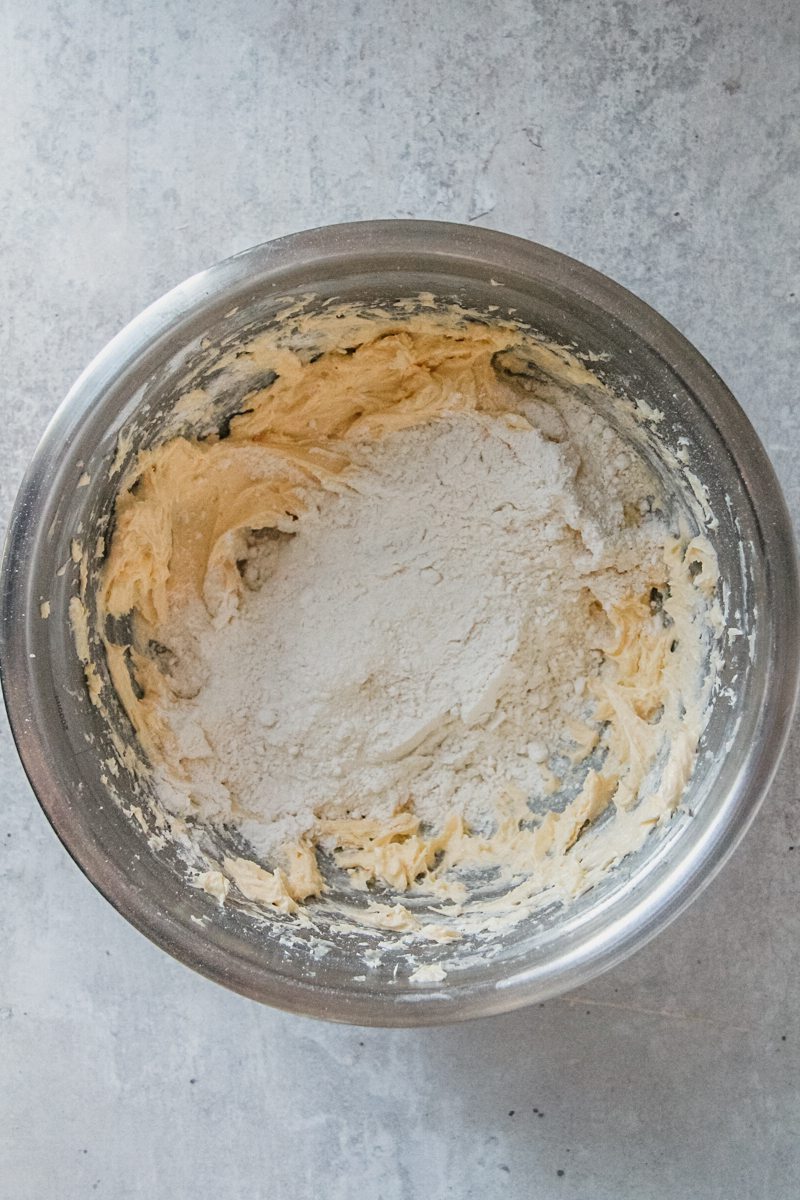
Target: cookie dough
[[204, 526]]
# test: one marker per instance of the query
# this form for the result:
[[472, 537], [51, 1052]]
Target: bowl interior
[[66, 742]]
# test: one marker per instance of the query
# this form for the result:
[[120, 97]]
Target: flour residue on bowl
[[418, 617]]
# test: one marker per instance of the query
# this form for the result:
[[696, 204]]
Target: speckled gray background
[[657, 141]]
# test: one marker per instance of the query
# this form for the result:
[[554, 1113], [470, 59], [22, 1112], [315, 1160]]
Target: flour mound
[[426, 635]]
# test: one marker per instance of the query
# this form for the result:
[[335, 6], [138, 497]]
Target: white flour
[[426, 635]]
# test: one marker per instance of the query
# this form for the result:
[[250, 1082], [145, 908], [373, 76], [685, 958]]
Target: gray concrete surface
[[656, 141]]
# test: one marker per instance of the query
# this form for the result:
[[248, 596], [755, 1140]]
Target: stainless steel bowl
[[138, 373]]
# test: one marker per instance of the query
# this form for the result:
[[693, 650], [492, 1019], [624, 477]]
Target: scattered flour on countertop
[[428, 632]]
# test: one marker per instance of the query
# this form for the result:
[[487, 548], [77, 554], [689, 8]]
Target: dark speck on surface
[[560, 1173]]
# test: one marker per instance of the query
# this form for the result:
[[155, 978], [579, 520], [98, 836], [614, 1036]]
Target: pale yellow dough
[[183, 516]]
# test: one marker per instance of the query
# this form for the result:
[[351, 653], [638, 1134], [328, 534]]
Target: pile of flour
[[428, 633]]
